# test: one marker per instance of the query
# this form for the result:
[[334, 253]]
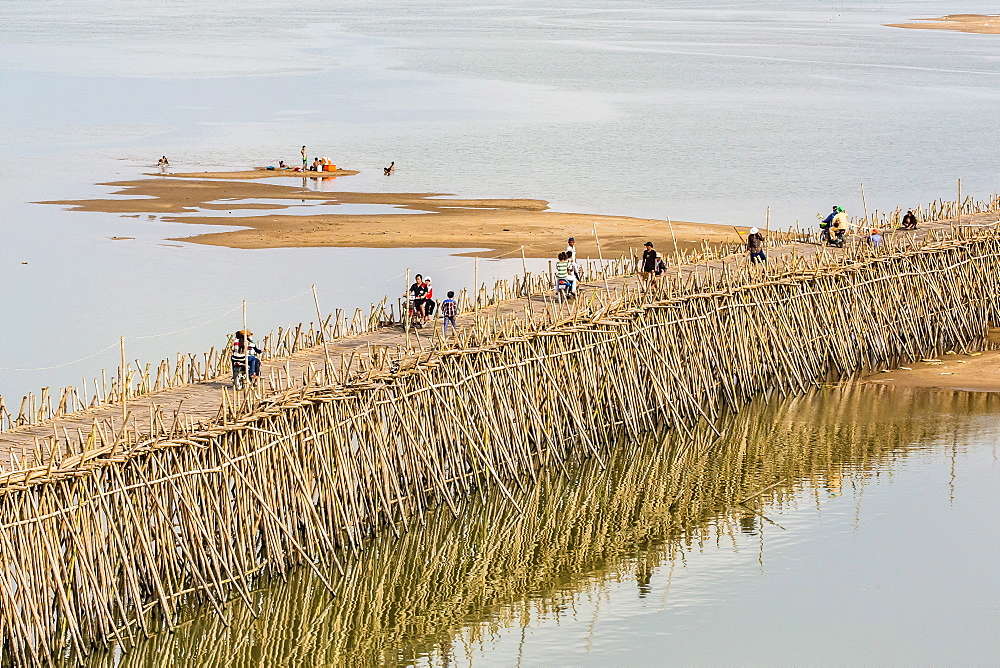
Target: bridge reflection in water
[[452, 580]]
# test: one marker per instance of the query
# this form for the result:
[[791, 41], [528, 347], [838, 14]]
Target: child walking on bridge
[[449, 311]]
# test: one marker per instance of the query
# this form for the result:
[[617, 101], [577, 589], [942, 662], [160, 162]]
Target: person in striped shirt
[[449, 311], [563, 269]]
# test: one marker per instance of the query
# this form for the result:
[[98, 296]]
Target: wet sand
[[500, 225], [975, 372], [980, 24]]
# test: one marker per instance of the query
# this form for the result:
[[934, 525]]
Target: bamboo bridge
[[168, 490]]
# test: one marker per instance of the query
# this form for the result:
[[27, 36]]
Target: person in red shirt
[[428, 298]]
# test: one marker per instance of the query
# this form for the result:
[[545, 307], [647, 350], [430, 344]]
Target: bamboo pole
[[122, 378], [475, 288], [328, 365], [864, 202], [600, 256]]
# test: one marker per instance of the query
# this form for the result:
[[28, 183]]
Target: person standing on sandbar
[[305, 158]]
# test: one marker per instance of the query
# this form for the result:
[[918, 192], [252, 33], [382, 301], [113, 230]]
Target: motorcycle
[[827, 239], [564, 289], [414, 314], [241, 370]]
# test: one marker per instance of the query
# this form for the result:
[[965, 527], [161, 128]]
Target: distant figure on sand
[[305, 158], [648, 263], [390, 169], [755, 246], [449, 312], [163, 163], [909, 220]]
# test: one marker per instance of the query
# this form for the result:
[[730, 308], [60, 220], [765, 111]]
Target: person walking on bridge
[[648, 263], [449, 312], [755, 246]]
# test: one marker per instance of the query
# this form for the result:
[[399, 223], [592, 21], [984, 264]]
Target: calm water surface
[[848, 527]]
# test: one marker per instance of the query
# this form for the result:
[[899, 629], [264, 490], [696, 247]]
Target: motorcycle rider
[[838, 228], [834, 227], [244, 345]]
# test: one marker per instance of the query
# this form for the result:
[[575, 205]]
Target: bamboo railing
[[103, 534], [140, 379]]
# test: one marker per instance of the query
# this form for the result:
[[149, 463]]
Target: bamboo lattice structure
[[116, 533], [495, 566]]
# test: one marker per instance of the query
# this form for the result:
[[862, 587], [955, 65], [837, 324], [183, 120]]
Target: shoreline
[[978, 371], [977, 24], [499, 226]]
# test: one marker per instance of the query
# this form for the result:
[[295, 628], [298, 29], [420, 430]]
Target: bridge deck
[[201, 402]]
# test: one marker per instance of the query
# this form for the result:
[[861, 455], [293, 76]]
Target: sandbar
[[256, 173], [973, 372], [980, 24], [501, 226]]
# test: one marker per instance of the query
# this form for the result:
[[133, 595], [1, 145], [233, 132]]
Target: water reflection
[[428, 595]]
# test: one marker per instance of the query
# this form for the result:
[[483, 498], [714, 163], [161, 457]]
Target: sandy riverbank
[[500, 225], [975, 372], [981, 24]]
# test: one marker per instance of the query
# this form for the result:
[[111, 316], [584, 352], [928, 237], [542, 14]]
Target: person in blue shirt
[[825, 224]]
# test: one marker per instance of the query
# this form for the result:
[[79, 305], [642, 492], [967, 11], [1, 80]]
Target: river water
[[877, 543], [852, 526], [693, 110]]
